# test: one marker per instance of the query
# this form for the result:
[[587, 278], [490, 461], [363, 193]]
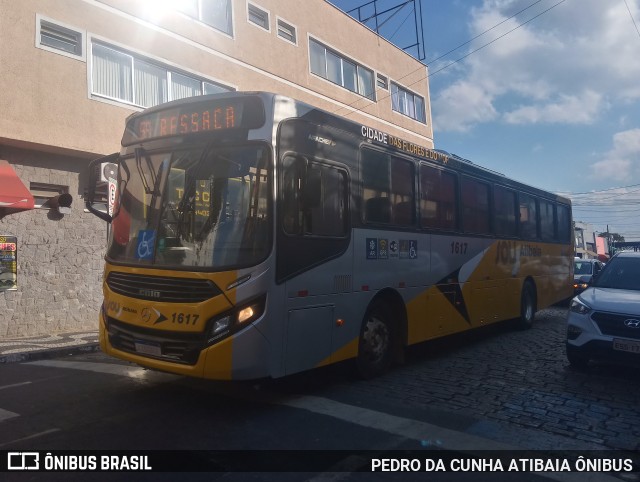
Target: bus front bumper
[[243, 355]]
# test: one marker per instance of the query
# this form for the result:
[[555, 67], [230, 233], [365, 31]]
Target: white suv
[[604, 320]]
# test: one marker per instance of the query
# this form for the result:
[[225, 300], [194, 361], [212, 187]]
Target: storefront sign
[[8, 263]]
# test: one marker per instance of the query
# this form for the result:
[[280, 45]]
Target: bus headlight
[[232, 321], [218, 328]]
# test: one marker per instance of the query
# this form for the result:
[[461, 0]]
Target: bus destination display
[[195, 117]]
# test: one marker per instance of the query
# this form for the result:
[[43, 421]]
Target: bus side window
[[505, 212], [376, 186], [315, 199], [438, 197], [528, 217], [291, 186], [475, 206], [388, 191], [564, 223], [378, 210], [402, 192], [547, 221]]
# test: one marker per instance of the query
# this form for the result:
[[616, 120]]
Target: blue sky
[[548, 94]]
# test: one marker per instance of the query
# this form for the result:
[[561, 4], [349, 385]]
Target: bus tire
[[377, 341], [527, 306]]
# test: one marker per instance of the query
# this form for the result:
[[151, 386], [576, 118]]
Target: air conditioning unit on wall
[[108, 170]]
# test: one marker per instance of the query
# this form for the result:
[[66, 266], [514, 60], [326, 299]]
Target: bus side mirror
[[101, 193]]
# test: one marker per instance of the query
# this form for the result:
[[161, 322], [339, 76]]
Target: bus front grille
[[172, 346], [162, 289]]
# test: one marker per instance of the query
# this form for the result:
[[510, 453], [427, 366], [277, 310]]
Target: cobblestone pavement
[[509, 384], [523, 378]]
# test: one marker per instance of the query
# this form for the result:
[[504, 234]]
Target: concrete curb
[[46, 353]]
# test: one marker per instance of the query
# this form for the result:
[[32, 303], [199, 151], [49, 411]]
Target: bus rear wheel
[[377, 339]]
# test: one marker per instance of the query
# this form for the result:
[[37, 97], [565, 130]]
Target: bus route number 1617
[[458, 248]]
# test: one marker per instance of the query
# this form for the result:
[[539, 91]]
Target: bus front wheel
[[377, 339], [527, 306]]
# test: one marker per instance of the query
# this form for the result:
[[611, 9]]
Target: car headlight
[[579, 307]]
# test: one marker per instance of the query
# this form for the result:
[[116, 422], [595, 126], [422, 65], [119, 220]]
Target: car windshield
[[582, 267], [196, 207], [621, 273]]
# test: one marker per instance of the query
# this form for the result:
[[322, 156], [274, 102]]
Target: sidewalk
[[47, 346]]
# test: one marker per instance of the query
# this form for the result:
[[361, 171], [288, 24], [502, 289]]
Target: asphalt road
[[494, 389]]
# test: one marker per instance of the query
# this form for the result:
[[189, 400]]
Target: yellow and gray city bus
[[252, 235]]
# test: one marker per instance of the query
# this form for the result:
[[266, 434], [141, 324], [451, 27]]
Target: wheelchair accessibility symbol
[[146, 242]]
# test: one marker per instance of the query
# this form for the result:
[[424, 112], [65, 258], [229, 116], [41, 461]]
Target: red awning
[[13, 193]]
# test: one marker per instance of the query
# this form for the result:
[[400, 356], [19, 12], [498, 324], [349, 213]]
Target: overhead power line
[[494, 40], [601, 190], [481, 34], [632, 19], [353, 106]]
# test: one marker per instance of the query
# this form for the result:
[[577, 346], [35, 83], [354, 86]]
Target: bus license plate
[[626, 345], [148, 348]]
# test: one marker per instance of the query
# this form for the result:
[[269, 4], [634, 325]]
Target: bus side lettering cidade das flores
[[281, 238]]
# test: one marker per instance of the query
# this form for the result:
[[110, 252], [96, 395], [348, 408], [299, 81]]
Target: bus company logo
[[322, 140], [149, 293], [146, 315], [23, 461]]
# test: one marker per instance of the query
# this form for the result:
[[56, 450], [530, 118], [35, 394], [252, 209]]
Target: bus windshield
[[204, 207]]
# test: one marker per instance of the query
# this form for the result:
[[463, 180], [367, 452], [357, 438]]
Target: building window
[[59, 39], [127, 78], [43, 193], [338, 69], [382, 82], [258, 16], [287, 32], [215, 13], [408, 103]]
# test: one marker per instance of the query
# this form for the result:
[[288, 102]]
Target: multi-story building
[[585, 240], [73, 70]]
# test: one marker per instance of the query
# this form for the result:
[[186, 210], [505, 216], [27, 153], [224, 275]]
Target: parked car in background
[[604, 320], [583, 272]]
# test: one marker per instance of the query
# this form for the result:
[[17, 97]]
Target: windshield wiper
[[141, 154]]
